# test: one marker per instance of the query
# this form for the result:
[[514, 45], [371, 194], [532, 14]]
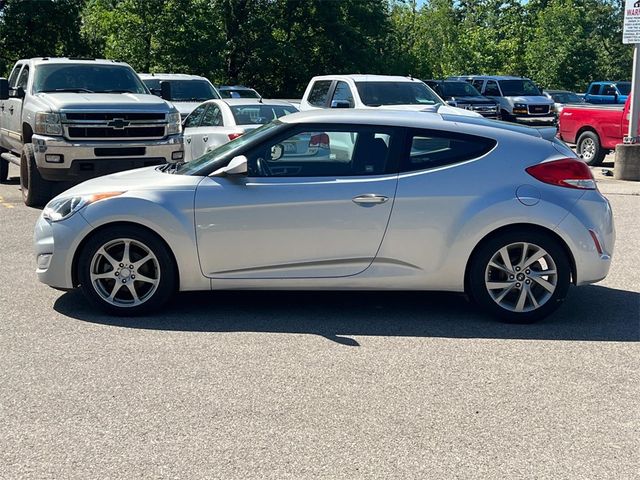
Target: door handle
[[369, 199], [2, 107], [188, 139], [204, 139], [11, 110]]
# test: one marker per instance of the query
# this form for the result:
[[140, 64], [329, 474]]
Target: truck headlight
[[173, 123], [48, 124], [61, 208]]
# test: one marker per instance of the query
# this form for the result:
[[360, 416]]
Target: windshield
[[459, 89], [185, 90], [624, 87], [566, 97], [516, 88], [240, 93], [219, 157], [259, 114], [88, 78], [374, 94]]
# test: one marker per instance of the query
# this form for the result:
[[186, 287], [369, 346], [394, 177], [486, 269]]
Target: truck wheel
[[36, 191], [589, 148]]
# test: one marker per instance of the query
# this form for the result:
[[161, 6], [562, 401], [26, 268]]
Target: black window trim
[[445, 134]]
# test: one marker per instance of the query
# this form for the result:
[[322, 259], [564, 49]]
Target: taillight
[[567, 172], [233, 136], [319, 140]]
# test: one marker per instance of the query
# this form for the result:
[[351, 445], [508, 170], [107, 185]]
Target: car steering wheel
[[263, 167]]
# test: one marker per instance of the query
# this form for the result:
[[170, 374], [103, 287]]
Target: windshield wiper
[[71, 90], [116, 90], [170, 167]]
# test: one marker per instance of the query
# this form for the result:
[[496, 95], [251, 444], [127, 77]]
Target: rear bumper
[[59, 159]]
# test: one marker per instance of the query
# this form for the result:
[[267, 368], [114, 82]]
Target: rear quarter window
[[431, 149], [319, 93]]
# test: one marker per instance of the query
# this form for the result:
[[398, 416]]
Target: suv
[[520, 100], [65, 119], [607, 92], [375, 91], [186, 91], [464, 95]]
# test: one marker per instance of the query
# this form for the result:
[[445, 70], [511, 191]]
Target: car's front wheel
[[127, 271], [520, 276]]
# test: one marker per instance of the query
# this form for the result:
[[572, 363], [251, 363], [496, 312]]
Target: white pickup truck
[[375, 92], [66, 120]]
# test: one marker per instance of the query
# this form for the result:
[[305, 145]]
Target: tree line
[[276, 46]]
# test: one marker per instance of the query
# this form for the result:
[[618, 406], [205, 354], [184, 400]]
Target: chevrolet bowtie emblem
[[118, 123]]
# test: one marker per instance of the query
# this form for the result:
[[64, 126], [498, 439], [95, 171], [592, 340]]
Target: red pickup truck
[[595, 129]]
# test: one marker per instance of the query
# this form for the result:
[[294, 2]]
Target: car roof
[[234, 87], [253, 101], [367, 78], [72, 60], [169, 76], [492, 77]]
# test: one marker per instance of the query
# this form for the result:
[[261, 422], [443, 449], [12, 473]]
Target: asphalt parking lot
[[279, 385]]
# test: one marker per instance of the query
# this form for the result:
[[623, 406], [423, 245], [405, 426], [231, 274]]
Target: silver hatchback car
[[326, 200]]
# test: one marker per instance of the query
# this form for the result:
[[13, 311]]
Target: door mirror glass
[[237, 166], [277, 151], [165, 90], [4, 89]]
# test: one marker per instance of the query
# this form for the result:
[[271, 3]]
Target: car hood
[[531, 100], [442, 109], [147, 178], [104, 101]]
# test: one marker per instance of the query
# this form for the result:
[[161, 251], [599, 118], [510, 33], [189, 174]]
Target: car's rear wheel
[[520, 276], [589, 148], [127, 271]]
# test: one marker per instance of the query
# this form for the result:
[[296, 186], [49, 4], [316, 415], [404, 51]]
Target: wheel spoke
[[101, 276], [504, 293], [534, 258], [114, 263], [126, 253], [498, 285], [144, 278], [525, 248], [114, 291], [531, 296], [500, 267], [142, 261], [521, 300], [548, 286], [542, 273], [134, 294], [504, 253]]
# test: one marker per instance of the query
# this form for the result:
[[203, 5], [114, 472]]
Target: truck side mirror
[[4, 89], [19, 92], [165, 90], [340, 104]]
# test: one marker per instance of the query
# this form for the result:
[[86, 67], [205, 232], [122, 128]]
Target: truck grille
[[114, 125], [539, 109]]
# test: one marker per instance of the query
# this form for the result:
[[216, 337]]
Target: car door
[[210, 133], [300, 212], [191, 123], [5, 117], [609, 94], [13, 110]]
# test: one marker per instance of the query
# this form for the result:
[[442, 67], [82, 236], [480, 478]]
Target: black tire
[[588, 147], [36, 191], [4, 170], [480, 272], [166, 271]]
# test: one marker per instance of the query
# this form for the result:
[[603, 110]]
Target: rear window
[[375, 94], [459, 89], [624, 88], [259, 114]]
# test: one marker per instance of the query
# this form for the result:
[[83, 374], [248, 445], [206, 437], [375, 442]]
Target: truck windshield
[[88, 78], [624, 88], [459, 89], [374, 94], [514, 88], [185, 90]]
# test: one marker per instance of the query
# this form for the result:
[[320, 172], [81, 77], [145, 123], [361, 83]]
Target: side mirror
[[340, 104], [237, 166], [165, 90], [19, 92], [4, 89], [277, 151], [155, 91]]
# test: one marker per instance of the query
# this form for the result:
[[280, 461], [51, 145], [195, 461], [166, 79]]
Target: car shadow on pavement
[[592, 313]]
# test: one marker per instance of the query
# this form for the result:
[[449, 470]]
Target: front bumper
[[55, 244], [536, 121], [59, 159]]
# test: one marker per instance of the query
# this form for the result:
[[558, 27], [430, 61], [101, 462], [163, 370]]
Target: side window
[[609, 90], [492, 89], [434, 149], [212, 117], [478, 84], [594, 89], [23, 79], [343, 94], [13, 78], [194, 118], [332, 152], [319, 92]]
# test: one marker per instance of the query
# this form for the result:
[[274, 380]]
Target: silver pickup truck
[[66, 120]]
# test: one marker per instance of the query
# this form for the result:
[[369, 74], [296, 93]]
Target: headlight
[[520, 106], [48, 124], [61, 208], [173, 123]]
